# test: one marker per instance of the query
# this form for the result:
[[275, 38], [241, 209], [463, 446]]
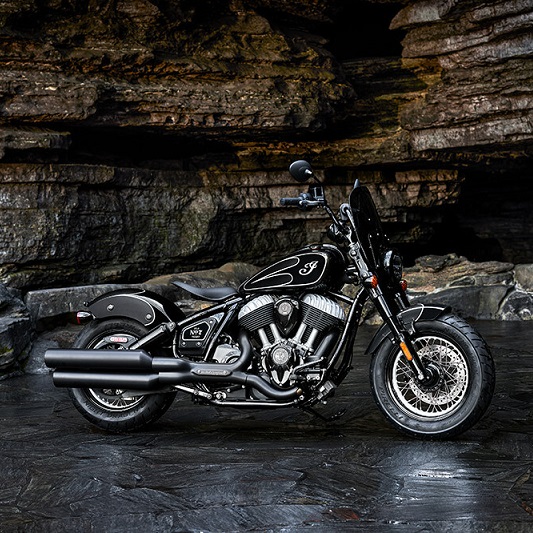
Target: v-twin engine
[[289, 330]]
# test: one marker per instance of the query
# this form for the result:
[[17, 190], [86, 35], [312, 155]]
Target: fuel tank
[[313, 267]]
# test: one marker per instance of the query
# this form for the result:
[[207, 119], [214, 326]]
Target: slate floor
[[204, 469]]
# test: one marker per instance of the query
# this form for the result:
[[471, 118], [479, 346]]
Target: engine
[[289, 330]]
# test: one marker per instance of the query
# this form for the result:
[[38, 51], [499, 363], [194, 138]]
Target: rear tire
[[458, 396], [106, 408]]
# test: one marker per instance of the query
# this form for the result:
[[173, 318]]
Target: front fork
[[401, 336]]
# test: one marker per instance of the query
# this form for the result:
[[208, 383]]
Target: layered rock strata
[[159, 140]]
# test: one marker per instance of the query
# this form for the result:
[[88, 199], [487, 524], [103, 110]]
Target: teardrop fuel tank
[[311, 268]]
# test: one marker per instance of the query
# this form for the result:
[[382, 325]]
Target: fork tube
[[403, 340]]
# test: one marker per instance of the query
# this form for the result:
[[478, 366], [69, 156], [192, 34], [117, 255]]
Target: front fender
[[408, 317], [146, 307]]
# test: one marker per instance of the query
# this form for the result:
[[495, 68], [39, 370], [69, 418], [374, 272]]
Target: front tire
[[108, 408], [456, 398]]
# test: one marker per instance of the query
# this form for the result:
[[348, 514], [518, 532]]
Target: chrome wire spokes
[[112, 400], [448, 389]]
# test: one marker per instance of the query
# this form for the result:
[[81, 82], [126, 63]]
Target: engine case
[[281, 354]]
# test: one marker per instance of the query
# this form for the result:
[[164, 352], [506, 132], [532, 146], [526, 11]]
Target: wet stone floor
[[206, 469]]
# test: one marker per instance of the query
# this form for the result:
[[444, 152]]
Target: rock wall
[[484, 96], [139, 138]]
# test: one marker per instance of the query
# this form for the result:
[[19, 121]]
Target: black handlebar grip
[[290, 201]]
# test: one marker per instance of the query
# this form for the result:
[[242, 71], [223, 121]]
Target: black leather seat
[[211, 294]]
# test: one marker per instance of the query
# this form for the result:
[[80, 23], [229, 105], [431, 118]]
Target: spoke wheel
[[460, 387], [446, 391], [114, 409], [113, 399]]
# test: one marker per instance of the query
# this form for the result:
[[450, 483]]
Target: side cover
[[306, 269], [145, 307]]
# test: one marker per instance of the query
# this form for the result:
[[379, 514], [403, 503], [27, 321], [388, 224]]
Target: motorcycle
[[284, 338]]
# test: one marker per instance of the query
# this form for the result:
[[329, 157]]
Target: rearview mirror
[[301, 171]]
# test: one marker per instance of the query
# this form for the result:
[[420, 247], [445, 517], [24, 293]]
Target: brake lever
[[308, 201]]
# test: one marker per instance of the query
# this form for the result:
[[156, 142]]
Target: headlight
[[392, 261]]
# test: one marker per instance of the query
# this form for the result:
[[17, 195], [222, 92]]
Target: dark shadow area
[[491, 221], [497, 209], [352, 29], [361, 29], [141, 148]]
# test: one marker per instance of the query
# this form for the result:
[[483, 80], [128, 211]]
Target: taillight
[[82, 317]]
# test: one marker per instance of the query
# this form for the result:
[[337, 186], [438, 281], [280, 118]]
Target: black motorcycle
[[285, 338]]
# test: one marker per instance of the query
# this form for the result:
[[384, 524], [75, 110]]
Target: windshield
[[368, 225]]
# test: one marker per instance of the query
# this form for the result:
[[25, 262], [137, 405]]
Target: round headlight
[[392, 261]]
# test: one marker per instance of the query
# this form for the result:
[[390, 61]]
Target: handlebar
[[304, 201], [290, 201]]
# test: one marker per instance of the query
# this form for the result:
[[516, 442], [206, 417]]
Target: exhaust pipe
[[138, 370], [108, 359], [101, 380]]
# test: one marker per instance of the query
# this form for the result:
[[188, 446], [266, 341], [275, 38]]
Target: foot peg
[[326, 419]]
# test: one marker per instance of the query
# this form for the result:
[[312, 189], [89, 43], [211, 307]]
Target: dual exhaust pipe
[[138, 370]]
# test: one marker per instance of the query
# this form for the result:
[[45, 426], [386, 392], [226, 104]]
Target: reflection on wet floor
[[202, 468]]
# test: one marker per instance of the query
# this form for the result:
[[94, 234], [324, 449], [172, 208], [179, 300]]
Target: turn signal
[[403, 285], [406, 351], [374, 281]]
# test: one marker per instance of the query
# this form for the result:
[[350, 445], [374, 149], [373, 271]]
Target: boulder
[[485, 291], [524, 277], [16, 333], [518, 305]]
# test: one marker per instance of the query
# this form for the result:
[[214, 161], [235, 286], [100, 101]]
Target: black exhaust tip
[[99, 359]]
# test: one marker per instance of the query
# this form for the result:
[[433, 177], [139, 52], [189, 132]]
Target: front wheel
[[458, 393], [113, 409]]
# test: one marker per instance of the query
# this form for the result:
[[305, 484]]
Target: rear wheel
[[460, 388], [111, 409]]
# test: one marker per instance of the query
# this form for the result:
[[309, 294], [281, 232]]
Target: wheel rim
[[447, 392], [112, 399]]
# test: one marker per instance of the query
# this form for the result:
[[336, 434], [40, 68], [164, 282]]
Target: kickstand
[[326, 419]]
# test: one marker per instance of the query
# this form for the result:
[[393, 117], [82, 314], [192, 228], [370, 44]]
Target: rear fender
[[145, 307], [408, 318]]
